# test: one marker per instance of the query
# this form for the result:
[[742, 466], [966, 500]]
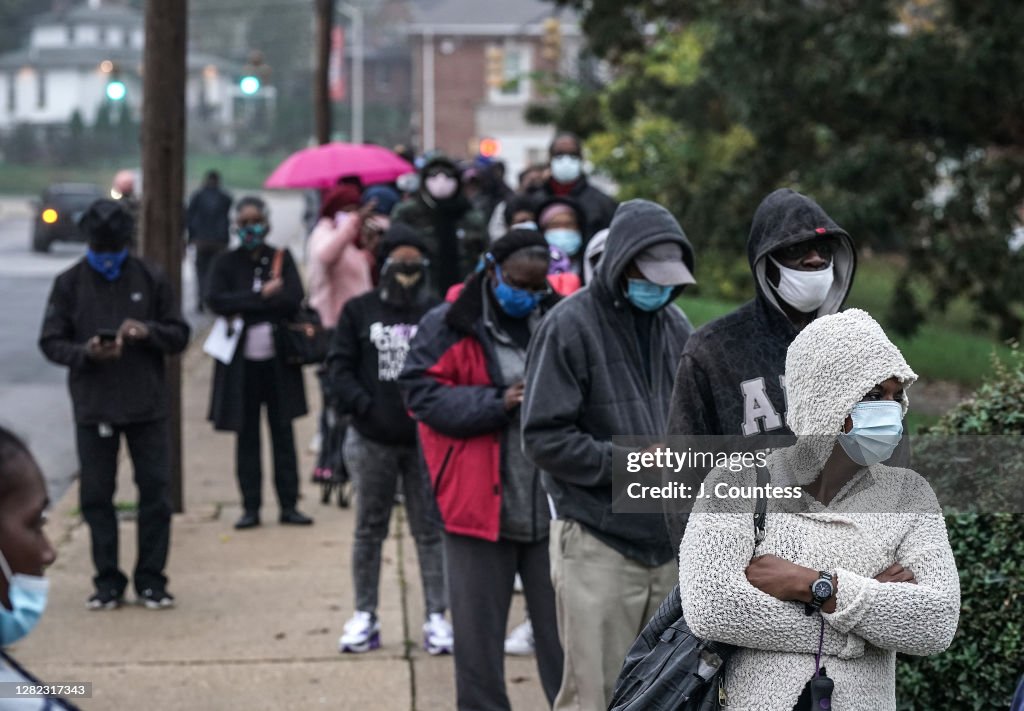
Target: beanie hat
[[398, 235], [386, 197], [514, 241], [107, 226], [344, 196]]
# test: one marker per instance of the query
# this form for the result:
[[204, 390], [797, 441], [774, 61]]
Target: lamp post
[[355, 13]]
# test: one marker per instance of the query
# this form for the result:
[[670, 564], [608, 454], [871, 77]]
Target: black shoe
[[105, 600], [155, 599], [250, 519], [291, 517]]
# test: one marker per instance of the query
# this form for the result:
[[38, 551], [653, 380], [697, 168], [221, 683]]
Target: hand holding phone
[[104, 346]]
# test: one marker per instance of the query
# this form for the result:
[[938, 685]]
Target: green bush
[[981, 668]]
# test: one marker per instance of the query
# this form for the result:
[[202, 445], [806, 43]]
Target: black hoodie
[[586, 382], [730, 378]]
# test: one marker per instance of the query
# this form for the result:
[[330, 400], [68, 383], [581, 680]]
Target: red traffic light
[[489, 147]]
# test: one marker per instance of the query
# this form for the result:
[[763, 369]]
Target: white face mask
[[566, 168], [441, 186], [804, 291]]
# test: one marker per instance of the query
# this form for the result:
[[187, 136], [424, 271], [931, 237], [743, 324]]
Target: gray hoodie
[[586, 382]]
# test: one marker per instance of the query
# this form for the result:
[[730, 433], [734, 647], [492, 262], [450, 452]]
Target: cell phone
[[106, 335]]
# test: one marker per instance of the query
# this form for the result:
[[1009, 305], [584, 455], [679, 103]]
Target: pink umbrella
[[321, 166]]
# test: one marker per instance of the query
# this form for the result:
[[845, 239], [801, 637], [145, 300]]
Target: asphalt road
[[33, 392]]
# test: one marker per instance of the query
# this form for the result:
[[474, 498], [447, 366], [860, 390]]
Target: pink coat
[[337, 268]]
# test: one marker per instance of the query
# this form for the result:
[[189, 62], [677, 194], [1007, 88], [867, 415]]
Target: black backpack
[[669, 668]]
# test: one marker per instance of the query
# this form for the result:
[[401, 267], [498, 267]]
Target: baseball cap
[[663, 265]]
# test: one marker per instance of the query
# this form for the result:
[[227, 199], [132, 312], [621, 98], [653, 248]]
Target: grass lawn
[[945, 348], [239, 173]]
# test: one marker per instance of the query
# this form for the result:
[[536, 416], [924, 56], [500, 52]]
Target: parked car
[[58, 211]]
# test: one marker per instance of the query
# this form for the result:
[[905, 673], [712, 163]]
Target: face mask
[[252, 235], [804, 291], [646, 295], [569, 241], [401, 282], [566, 168], [877, 429], [528, 225], [28, 594], [517, 303], [108, 264], [441, 186]]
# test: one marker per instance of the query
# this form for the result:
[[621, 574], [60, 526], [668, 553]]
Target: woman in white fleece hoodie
[[877, 530]]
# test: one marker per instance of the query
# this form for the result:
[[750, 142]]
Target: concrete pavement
[[259, 612]]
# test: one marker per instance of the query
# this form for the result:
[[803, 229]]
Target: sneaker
[[322, 475], [361, 634], [437, 635], [519, 642], [105, 600], [155, 599]]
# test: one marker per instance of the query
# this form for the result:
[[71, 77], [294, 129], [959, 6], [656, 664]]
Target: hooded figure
[[730, 378], [454, 233], [874, 532], [600, 366]]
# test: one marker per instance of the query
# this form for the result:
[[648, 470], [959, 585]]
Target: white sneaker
[[519, 642], [437, 635], [361, 634]]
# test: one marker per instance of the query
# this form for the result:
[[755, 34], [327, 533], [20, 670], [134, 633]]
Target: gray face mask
[[566, 168]]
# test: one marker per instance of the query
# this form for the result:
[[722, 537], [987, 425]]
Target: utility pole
[[321, 80], [163, 176]]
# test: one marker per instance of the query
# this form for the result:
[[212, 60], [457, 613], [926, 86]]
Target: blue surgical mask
[[28, 594], [569, 241], [517, 303], [108, 264], [528, 225], [252, 235], [877, 429], [646, 295]]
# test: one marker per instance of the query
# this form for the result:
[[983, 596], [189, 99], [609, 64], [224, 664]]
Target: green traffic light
[[249, 85], [116, 90]]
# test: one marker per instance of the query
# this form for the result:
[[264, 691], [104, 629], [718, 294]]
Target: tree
[[901, 118]]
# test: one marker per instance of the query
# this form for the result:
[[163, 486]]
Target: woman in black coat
[[265, 290]]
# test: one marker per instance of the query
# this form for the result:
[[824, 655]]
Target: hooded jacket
[[730, 379], [884, 515], [455, 233], [586, 382]]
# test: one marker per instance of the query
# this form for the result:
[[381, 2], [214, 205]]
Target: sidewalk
[[259, 612]]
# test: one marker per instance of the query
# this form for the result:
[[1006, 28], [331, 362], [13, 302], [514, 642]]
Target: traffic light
[[116, 89], [489, 147], [495, 67], [249, 84], [551, 42], [254, 74]]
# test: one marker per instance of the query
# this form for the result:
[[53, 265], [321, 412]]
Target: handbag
[[302, 339], [669, 668]]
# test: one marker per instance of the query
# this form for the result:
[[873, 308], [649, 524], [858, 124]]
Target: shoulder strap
[[275, 267], [764, 478]]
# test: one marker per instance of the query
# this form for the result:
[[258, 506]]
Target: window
[[12, 92], [40, 90], [516, 86]]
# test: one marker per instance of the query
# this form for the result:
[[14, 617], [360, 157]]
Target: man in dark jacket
[[112, 319], [445, 220], [603, 364], [368, 351], [208, 222], [731, 376], [463, 382], [568, 180]]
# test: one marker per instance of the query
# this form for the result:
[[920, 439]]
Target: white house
[[73, 55]]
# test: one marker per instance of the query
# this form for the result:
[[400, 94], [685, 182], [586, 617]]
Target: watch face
[[822, 589]]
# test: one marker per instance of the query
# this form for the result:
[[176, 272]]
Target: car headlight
[[49, 215]]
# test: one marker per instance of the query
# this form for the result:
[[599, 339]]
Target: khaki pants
[[603, 600]]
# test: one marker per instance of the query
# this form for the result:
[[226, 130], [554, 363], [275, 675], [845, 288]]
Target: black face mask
[[401, 282]]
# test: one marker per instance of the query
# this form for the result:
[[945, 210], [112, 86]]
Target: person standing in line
[[602, 364], [502, 219], [446, 222], [463, 383], [567, 179], [262, 285], [367, 354], [112, 320], [208, 221]]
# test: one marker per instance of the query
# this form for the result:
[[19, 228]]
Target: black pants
[[261, 389], [206, 252], [149, 447], [480, 579]]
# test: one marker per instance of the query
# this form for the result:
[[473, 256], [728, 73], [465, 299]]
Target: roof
[[473, 17], [81, 14], [90, 57]]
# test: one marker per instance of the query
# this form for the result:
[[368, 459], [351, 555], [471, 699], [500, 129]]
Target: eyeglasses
[[825, 247]]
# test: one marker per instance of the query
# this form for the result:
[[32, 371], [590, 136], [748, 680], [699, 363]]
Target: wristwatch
[[821, 590]]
